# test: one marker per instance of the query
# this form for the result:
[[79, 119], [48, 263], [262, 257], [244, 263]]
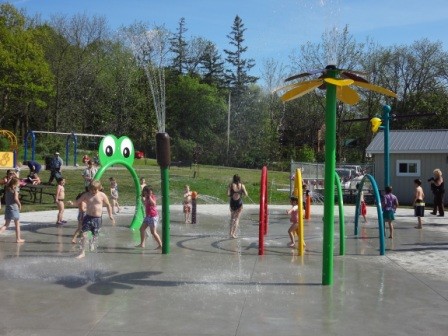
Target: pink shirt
[[293, 214], [151, 209]]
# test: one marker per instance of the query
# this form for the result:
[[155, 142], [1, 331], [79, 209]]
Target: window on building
[[408, 167]]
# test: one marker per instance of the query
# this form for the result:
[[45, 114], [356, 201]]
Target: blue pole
[[386, 117], [75, 150], [67, 148], [379, 210]]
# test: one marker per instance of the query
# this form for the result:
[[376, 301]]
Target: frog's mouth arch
[[137, 220]]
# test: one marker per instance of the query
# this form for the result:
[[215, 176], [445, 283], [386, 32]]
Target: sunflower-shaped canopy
[[343, 79]]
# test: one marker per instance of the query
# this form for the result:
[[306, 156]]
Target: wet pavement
[[212, 285]]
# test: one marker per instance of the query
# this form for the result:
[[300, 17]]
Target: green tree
[[25, 77], [212, 66], [75, 52], [415, 73], [238, 76], [305, 154], [179, 47], [196, 115]]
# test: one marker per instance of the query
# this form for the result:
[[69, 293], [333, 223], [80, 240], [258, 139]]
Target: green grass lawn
[[209, 181]]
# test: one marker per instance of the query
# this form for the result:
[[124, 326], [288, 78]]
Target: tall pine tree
[[212, 66], [179, 47], [237, 76]]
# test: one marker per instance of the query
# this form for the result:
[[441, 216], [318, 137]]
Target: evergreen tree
[[212, 66], [238, 78], [179, 47]]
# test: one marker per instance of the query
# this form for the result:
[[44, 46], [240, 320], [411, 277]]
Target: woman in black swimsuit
[[235, 191]]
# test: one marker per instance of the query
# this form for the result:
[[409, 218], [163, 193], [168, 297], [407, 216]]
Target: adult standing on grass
[[235, 191], [55, 168], [13, 206]]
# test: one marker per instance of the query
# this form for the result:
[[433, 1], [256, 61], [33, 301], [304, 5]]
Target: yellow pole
[[298, 187]]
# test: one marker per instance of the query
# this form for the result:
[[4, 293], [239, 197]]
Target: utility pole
[[228, 128]]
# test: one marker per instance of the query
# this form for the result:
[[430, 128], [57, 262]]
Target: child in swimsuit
[[187, 205], [151, 219], [293, 218], [235, 191], [60, 195]]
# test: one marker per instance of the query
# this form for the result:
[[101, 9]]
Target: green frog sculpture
[[113, 151]]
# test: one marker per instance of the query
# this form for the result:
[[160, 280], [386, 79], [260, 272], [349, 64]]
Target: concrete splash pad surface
[[212, 285]]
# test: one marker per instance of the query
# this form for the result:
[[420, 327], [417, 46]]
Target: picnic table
[[34, 193]]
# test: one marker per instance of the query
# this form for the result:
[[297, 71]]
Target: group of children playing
[[389, 205], [90, 204]]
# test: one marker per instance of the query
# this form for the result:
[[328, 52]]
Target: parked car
[[345, 175], [356, 168]]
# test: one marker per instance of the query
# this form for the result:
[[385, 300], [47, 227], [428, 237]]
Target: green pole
[[164, 161], [165, 211], [330, 167]]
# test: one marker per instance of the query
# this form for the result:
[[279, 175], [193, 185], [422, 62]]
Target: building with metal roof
[[412, 154]]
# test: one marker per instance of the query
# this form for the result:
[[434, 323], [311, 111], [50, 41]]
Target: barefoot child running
[[151, 219], [95, 200], [13, 207]]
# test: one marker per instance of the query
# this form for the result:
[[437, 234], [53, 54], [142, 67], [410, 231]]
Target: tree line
[[72, 74]]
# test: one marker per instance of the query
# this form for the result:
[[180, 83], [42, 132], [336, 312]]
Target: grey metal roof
[[411, 141]]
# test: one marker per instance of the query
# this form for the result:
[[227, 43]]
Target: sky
[[274, 28]]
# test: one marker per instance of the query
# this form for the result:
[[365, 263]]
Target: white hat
[[57, 153]]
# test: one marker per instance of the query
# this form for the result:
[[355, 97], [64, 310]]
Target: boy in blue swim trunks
[[94, 201]]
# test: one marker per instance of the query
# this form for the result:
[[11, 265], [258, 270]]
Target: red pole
[[308, 205], [262, 214], [266, 202]]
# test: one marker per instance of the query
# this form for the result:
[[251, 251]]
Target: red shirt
[[151, 209]]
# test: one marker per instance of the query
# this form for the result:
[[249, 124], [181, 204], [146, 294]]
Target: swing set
[[70, 137]]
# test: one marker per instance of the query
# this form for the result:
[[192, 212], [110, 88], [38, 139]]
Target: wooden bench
[[34, 193]]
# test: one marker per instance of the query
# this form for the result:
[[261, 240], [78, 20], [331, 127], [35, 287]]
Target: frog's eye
[[108, 146], [126, 148]]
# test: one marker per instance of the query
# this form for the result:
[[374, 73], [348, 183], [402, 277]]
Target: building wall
[[403, 186]]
